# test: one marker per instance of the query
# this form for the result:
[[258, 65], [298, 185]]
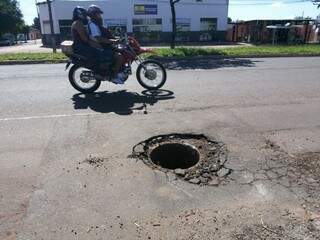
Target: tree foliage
[[36, 23], [316, 2], [10, 16]]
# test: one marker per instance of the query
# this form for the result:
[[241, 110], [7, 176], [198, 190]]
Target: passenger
[[101, 34], [82, 44]]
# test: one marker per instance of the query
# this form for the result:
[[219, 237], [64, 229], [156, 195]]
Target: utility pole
[[53, 38], [36, 2], [174, 23]]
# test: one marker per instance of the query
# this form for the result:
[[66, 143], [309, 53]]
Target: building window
[[147, 29], [183, 24], [183, 29], [208, 26], [65, 29], [147, 24]]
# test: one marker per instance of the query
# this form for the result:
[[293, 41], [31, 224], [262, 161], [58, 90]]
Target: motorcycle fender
[[68, 65]]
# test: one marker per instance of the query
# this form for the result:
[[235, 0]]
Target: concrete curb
[[165, 59]]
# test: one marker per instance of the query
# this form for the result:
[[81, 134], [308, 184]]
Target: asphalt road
[[266, 111]]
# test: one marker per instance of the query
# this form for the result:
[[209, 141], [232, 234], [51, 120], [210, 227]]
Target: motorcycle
[[86, 77]]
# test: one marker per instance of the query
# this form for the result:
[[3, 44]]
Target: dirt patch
[[209, 170], [309, 163], [276, 232], [95, 161]]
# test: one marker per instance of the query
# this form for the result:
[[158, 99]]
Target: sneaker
[[119, 79]]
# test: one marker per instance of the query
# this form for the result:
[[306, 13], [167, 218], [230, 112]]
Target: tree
[[316, 2], [229, 20], [36, 23], [174, 22], [302, 18], [10, 16]]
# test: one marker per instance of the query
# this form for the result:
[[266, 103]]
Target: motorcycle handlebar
[[124, 39]]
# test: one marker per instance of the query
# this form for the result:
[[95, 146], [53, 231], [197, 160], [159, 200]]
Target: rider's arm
[[82, 32], [106, 40], [96, 35], [85, 37]]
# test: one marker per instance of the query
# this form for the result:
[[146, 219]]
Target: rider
[[82, 44], [102, 35]]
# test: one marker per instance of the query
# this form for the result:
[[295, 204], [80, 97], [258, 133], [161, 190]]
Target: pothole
[[192, 157], [175, 155]]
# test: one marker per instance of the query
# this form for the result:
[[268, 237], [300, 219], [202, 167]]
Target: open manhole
[[192, 157], [175, 155]]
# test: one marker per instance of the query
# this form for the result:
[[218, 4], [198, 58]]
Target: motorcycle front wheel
[[83, 79], [151, 75]]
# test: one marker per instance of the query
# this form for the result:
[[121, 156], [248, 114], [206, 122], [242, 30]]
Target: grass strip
[[263, 50]]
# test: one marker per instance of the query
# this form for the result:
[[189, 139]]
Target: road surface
[[266, 111]]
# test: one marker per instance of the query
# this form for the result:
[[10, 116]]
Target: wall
[[257, 32], [116, 9]]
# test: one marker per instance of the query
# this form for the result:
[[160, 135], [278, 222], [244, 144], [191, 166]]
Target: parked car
[[6, 42], [21, 37]]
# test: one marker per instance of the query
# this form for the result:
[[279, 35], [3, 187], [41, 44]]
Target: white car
[[21, 37]]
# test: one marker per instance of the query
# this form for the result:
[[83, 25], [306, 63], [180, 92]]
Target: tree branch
[[316, 2]]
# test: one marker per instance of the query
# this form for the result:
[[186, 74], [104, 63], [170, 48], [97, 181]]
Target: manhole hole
[[192, 157], [175, 155]]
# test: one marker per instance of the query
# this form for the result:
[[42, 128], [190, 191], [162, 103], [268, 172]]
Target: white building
[[148, 20]]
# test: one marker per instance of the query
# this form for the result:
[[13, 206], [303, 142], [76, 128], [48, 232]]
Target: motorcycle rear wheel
[[151, 75], [76, 82]]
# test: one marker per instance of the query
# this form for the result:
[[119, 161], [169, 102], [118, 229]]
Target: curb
[[165, 59]]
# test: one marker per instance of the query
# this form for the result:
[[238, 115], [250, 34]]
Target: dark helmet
[[79, 13], [94, 9]]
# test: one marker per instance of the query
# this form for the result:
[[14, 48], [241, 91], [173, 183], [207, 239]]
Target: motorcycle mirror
[[118, 30]]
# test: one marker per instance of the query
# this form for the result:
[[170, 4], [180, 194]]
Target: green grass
[[263, 50], [50, 57], [269, 50]]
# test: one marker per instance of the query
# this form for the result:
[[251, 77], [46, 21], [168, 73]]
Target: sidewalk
[[33, 46]]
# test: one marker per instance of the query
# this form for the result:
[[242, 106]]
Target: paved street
[[266, 111]]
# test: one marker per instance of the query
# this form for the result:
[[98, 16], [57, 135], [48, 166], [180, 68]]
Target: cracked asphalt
[[65, 171]]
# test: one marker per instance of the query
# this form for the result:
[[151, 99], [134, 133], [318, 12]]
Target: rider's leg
[[104, 60], [119, 61], [118, 76]]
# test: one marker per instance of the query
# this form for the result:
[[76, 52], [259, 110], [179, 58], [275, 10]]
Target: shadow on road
[[121, 102], [185, 64]]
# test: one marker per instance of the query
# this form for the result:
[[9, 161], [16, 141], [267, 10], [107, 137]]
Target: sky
[[275, 9]]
